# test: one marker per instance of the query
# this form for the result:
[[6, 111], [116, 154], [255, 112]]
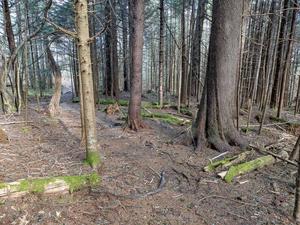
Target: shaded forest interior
[[149, 112]]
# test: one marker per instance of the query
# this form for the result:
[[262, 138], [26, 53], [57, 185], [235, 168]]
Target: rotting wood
[[48, 185], [15, 122], [244, 168], [227, 162]]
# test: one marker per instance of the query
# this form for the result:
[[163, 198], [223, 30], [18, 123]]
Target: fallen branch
[[246, 167], [227, 162], [252, 165], [15, 122], [281, 157]]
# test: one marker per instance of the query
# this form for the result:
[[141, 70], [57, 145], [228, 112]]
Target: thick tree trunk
[[82, 28], [112, 73], [196, 47], [215, 119], [134, 111], [53, 107]]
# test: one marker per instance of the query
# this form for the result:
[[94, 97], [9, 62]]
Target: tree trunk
[[134, 111], [53, 107], [297, 193], [215, 119], [161, 54], [184, 79], [82, 28], [124, 15]]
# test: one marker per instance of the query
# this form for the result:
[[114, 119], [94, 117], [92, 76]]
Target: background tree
[[136, 8]]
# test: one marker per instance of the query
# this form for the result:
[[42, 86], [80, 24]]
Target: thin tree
[[161, 54], [82, 28]]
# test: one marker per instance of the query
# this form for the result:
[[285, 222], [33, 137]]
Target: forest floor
[[132, 164]]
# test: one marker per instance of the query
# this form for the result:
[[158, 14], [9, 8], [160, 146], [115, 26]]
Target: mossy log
[[247, 167], [49, 185], [250, 166], [227, 162]]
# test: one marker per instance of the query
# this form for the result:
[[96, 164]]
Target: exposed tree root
[[135, 125]]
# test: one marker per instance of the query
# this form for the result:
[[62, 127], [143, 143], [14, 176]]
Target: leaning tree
[[214, 124]]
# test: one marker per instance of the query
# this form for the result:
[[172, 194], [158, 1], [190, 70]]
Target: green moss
[[165, 117], [213, 165], [92, 159], [39, 185], [26, 130], [277, 119], [246, 167], [109, 101], [77, 182], [2, 185], [76, 100], [46, 93], [33, 186]]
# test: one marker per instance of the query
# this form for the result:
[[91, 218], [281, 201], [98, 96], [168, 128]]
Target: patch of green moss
[[185, 111], [215, 164], [2, 185], [38, 185], [25, 130], [110, 101], [245, 130], [46, 93], [77, 182], [33, 186], [76, 100], [93, 159], [165, 117], [277, 119], [246, 167]]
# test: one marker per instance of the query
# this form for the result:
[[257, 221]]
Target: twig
[[239, 216], [275, 155], [229, 199]]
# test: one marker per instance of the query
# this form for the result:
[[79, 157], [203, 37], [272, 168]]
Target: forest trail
[[132, 164]]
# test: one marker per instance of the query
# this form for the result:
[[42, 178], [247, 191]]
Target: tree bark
[[161, 54], [82, 28], [134, 111], [215, 119], [53, 107], [184, 79], [124, 14]]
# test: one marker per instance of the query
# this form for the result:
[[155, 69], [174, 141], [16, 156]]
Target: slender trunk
[[161, 54], [82, 28]]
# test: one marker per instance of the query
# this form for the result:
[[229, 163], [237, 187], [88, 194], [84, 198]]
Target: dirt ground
[[132, 164]]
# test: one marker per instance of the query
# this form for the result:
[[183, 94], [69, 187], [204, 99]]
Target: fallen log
[[48, 185], [249, 166], [227, 162]]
